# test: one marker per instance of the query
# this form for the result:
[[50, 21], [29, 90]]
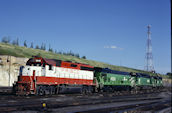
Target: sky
[[110, 31]]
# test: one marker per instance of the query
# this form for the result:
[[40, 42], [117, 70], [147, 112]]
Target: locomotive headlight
[[113, 79], [148, 80], [37, 60]]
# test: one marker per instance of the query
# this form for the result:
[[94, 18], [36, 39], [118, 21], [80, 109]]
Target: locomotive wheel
[[101, 91], [84, 90], [95, 89], [41, 90], [90, 89], [53, 90], [14, 90], [57, 89], [50, 90]]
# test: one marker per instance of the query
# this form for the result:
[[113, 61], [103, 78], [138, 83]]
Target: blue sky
[[111, 31]]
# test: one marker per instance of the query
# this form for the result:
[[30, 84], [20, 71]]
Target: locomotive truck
[[43, 76]]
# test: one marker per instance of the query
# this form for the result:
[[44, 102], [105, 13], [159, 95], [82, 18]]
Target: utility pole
[[149, 57]]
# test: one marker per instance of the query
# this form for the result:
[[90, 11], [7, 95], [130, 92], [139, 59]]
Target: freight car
[[47, 76]]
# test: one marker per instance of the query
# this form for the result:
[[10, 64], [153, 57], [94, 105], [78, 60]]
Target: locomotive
[[43, 76], [47, 76], [112, 80]]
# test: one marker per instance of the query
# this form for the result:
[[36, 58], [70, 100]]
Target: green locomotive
[[111, 80]]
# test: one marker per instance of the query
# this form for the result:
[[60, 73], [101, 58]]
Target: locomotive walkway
[[85, 103]]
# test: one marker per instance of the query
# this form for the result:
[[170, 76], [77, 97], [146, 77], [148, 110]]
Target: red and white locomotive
[[47, 76]]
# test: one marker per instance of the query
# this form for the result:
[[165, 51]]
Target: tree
[[44, 47], [71, 53], [37, 47], [60, 52], [25, 45], [31, 46], [17, 42], [50, 49], [77, 55], [6, 40], [84, 57], [169, 75], [13, 42]]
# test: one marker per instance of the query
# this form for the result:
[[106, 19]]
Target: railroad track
[[148, 106], [35, 103], [156, 107], [9, 95], [5, 90]]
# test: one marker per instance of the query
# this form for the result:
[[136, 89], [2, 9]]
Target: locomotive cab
[[27, 77], [28, 71]]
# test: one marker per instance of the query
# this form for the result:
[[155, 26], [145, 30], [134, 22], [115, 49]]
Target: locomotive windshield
[[34, 62]]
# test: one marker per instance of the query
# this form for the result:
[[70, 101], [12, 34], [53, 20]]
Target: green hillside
[[18, 51]]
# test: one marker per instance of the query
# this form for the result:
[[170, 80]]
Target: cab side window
[[73, 65], [50, 67], [43, 64], [103, 74]]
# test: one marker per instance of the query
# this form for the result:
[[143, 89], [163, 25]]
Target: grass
[[18, 51]]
